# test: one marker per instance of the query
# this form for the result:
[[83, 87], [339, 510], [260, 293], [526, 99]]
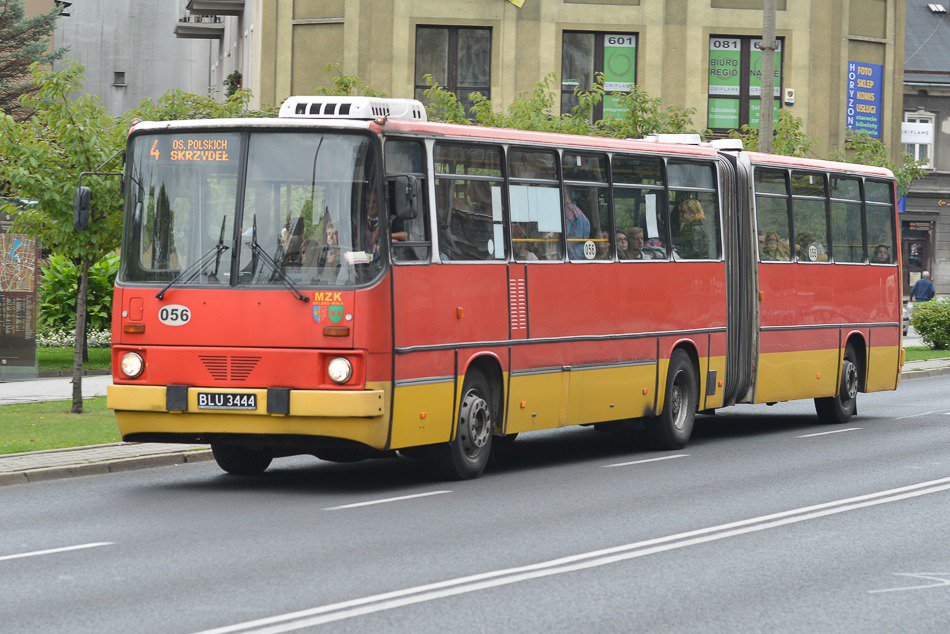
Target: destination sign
[[192, 148]]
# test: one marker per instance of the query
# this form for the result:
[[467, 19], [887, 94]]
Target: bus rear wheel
[[839, 408], [239, 460], [674, 426], [466, 456]]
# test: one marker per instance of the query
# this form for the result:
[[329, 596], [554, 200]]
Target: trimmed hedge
[[931, 320]]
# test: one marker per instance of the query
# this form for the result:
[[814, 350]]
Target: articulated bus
[[348, 280]]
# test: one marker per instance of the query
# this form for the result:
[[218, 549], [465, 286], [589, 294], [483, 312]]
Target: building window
[[917, 137], [458, 58], [584, 54], [735, 81], [118, 78]]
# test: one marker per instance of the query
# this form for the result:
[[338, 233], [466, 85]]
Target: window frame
[[892, 220], [451, 65], [665, 202], [599, 37], [424, 203], [914, 148], [611, 246], [717, 190], [829, 238], [557, 183], [745, 97]]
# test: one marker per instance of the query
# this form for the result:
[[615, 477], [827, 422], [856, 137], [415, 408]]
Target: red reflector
[[135, 329], [336, 331]]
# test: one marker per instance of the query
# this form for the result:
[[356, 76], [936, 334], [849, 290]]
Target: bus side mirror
[[405, 196], [81, 210]]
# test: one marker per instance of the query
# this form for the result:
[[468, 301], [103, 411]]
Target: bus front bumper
[[358, 415]]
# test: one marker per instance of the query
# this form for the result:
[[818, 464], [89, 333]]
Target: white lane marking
[[942, 581], [825, 433], [919, 415], [624, 464], [419, 594], [384, 501], [51, 551]]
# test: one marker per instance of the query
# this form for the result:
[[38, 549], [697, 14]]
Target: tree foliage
[[23, 41], [860, 147], [790, 137]]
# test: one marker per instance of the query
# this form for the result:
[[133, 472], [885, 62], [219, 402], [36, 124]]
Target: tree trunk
[[80, 335], [767, 83]]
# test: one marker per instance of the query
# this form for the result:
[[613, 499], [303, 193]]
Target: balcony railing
[[200, 27], [216, 7]]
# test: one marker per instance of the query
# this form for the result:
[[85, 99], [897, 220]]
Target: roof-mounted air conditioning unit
[[366, 108]]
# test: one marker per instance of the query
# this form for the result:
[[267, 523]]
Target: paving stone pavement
[[34, 466]]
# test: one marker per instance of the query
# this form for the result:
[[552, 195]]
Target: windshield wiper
[[196, 266], [258, 250], [217, 257]]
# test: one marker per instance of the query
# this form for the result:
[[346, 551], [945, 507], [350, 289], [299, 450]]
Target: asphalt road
[[766, 522]]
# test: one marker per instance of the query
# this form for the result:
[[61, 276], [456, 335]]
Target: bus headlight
[[340, 370], [132, 364]]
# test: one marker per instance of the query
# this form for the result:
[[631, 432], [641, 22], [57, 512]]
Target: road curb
[[104, 466], [922, 374]]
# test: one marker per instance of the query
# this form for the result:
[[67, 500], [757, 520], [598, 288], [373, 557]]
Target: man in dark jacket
[[923, 290]]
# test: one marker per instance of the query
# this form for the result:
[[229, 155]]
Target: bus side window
[[694, 212], [879, 212], [468, 199], [847, 232], [771, 211], [535, 205], [410, 237], [639, 207], [809, 215], [585, 178]]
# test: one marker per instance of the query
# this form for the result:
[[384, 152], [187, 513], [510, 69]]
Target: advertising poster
[[865, 92], [620, 68], [724, 67], [755, 70], [18, 292]]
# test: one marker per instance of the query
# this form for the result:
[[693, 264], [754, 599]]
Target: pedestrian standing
[[923, 290]]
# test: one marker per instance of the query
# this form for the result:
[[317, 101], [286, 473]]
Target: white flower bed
[[66, 339]]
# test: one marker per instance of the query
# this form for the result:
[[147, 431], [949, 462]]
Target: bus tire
[[238, 460], [839, 408], [466, 456], [674, 426]]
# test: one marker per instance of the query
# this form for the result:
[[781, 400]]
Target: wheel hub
[[474, 423], [679, 395], [850, 379]]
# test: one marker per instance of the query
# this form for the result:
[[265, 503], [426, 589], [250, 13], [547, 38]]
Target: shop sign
[[864, 98], [18, 294]]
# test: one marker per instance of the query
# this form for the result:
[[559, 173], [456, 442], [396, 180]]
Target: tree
[[41, 158], [23, 41], [861, 147]]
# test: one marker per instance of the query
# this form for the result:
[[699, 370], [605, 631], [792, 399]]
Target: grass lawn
[[62, 358], [49, 425], [920, 353]]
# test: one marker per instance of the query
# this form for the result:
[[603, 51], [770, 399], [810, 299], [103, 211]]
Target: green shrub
[[932, 321], [58, 293]]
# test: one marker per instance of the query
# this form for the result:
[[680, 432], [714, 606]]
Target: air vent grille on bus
[[517, 299], [222, 367]]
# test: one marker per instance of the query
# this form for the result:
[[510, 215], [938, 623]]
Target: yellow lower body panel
[[883, 368], [422, 414], [610, 394], [536, 401], [361, 416], [786, 376]]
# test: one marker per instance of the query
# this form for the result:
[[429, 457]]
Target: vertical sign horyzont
[[620, 69], [865, 94]]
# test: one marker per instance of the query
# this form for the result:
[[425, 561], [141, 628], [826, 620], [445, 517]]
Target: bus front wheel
[[674, 426], [839, 408], [238, 460], [466, 456]]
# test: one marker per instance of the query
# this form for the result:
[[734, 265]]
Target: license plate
[[227, 400]]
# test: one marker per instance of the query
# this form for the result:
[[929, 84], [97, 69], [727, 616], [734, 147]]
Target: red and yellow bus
[[349, 279]]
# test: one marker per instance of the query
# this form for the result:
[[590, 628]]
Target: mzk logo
[[335, 313]]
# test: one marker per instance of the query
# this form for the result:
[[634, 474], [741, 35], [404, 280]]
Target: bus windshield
[[305, 204]]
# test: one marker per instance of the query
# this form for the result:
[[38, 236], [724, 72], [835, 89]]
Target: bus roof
[[759, 158]]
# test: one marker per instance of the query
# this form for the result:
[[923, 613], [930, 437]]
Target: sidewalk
[[35, 466]]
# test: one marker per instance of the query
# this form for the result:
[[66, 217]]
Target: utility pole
[[766, 99]]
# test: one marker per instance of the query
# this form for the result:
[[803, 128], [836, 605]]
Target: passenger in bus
[[882, 254], [602, 243], [637, 251], [291, 242], [694, 243], [519, 240], [577, 229], [771, 250], [623, 245]]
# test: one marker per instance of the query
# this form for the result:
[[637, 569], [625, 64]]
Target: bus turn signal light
[[336, 331], [133, 329]]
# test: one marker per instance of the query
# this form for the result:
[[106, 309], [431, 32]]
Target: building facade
[[840, 63], [925, 224], [128, 50]]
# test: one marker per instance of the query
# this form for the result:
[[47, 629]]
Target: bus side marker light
[[336, 331], [458, 312], [423, 415], [523, 404], [133, 329], [719, 383], [645, 390], [818, 375], [761, 296]]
